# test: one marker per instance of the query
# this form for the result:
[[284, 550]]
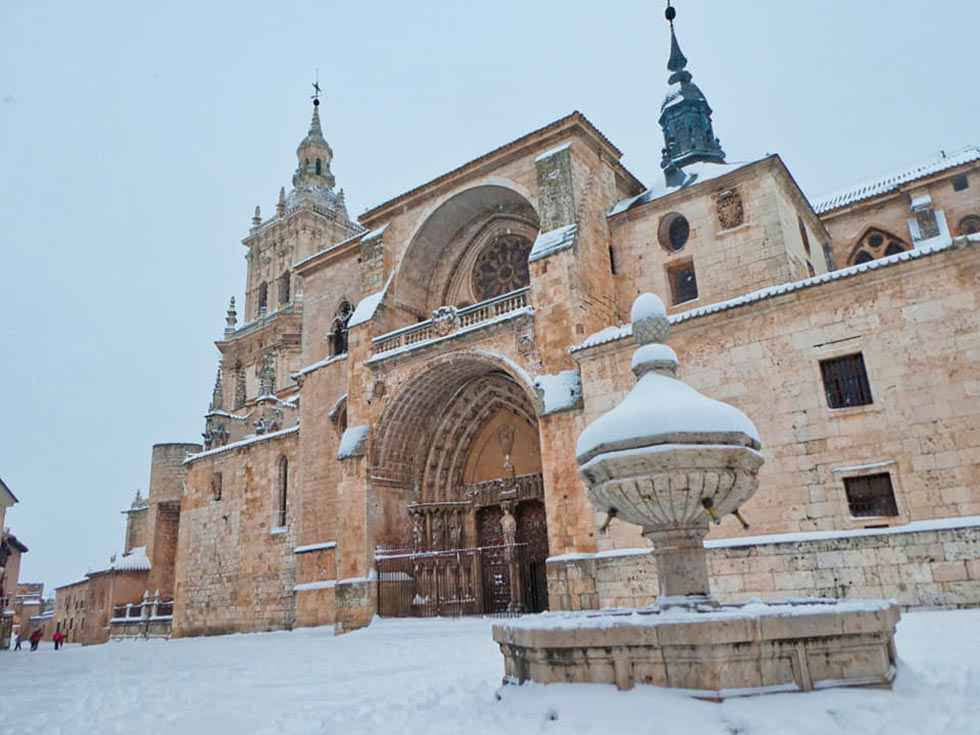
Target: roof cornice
[[539, 138]]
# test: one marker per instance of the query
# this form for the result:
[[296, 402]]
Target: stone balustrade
[[447, 320]]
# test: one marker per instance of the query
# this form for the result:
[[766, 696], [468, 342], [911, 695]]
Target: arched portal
[[458, 452], [472, 247]]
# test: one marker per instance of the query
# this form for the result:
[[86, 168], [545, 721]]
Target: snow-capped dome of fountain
[[661, 409]]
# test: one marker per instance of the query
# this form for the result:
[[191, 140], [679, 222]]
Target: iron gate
[[488, 580]]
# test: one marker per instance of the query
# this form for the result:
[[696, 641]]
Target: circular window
[[674, 231], [502, 267], [970, 225]]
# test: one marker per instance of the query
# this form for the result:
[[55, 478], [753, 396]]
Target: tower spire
[[677, 60], [314, 153], [685, 116]]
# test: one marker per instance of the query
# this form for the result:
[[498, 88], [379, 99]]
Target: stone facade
[[466, 331]]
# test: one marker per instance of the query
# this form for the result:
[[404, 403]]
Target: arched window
[[502, 266], [338, 333], [874, 244], [969, 225], [282, 488], [263, 298], [319, 170], [284, 289], [216, 486]]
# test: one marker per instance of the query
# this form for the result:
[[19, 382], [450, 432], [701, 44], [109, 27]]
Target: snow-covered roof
[[893, 181], [623, 331], [135, 561], [254, 439], [694, 173]]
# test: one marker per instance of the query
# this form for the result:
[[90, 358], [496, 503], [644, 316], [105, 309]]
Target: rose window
[[501, 267]]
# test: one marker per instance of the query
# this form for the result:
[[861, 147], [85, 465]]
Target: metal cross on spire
[[316, 89]]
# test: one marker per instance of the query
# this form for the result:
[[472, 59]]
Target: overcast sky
[[137, 138]]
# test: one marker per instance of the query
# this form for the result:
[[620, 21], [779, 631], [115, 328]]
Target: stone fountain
[[671, 461]]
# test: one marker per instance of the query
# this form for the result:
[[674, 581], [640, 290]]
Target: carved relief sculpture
[[728, 206], [445, 320]]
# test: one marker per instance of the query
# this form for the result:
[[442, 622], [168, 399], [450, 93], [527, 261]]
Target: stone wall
[[235, 568], [918, 328], [762, 250], [927, 564]]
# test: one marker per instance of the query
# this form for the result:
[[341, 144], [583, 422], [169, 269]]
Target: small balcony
[[450, 321]]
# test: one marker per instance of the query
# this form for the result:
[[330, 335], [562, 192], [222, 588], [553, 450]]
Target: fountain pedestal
[[671, 461]]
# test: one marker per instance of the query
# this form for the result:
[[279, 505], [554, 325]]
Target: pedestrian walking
[[19, 640], [36, 638], [59, 640]]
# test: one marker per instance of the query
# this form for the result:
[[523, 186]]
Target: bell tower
[[314, 154]]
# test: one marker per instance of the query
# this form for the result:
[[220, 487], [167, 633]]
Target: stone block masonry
[[926, 564]]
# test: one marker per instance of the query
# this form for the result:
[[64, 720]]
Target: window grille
[[846, 381], [871, 495]]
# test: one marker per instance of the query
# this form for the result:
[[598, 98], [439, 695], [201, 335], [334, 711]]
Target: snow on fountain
[[671, 460]]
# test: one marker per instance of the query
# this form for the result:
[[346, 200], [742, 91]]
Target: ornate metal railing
[[448, 319], [489, 580]]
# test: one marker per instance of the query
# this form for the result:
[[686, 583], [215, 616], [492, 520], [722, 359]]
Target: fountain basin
[[714, 653]]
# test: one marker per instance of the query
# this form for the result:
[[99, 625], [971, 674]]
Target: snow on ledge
[[863, 467], [557, 149], [325, 584], [315, 547], [303, 372], [366, 307], [353, 441], [247, 441], [553, 241], [559, 392], [624, 331], [614, 618], [936, 524]]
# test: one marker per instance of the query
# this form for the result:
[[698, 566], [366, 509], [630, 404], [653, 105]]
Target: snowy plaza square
[[442, 676]]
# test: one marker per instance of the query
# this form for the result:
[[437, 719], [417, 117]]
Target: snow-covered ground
[[442, 676]]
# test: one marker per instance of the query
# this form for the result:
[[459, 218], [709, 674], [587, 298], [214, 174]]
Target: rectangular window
[[612, 261], [846, 381], [683, 282], [960, 182], [871, 495]]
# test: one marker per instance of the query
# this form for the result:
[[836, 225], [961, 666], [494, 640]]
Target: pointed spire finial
[[257, 217], [231, 318], [677, 60], [316, 89], [281, 202]]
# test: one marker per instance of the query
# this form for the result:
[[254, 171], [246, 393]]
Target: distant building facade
[[10, 556]]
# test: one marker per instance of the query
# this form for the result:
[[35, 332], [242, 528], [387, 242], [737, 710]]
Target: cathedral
[[392, 427]]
